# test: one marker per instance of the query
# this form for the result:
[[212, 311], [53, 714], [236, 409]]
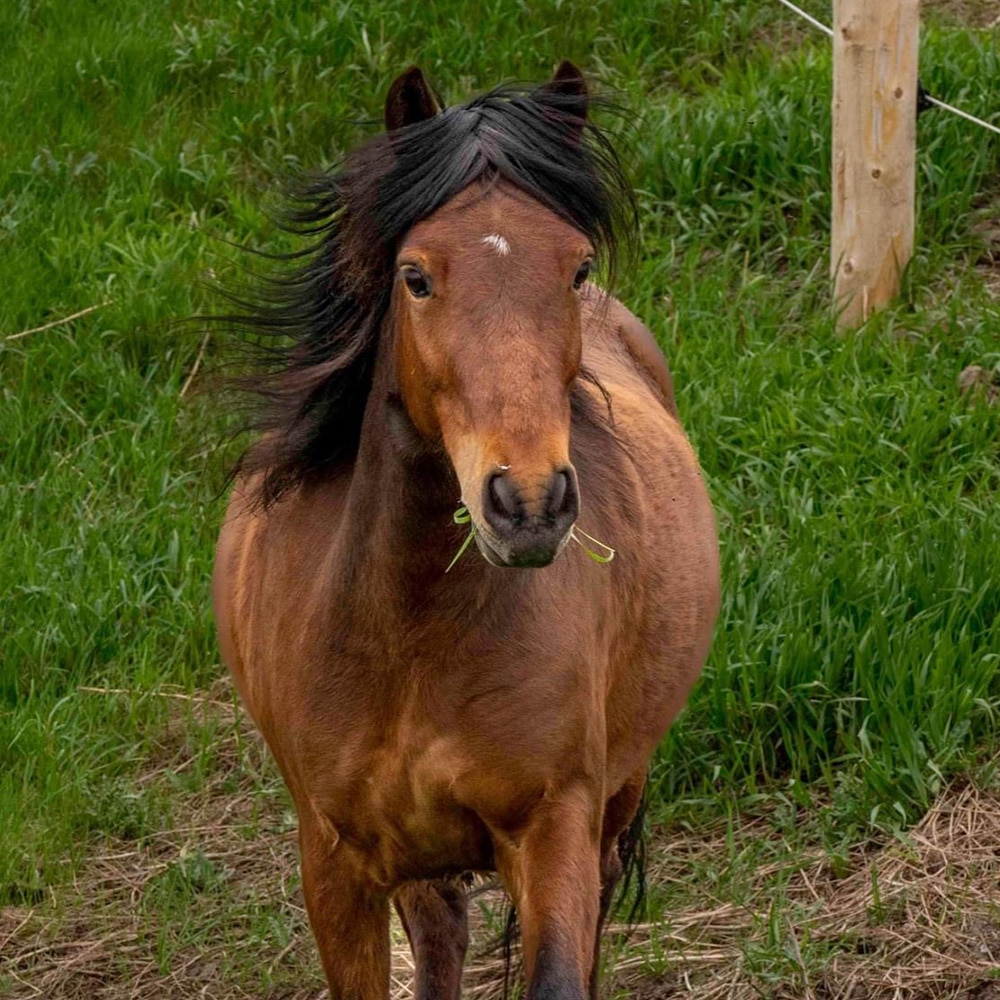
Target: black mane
[[320, 323]]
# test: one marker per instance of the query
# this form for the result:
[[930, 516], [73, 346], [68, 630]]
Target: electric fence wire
[[924, 96], [808, 17]]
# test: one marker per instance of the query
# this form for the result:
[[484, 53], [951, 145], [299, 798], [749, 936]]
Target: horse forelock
[[328, 312]]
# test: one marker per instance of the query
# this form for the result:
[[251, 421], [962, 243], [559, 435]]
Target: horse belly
[[670, 640]]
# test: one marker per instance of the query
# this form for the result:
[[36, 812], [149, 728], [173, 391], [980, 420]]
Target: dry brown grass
[[913, 919], [974, 13]]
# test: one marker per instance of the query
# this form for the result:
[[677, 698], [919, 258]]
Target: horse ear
[[411, 99], [568, 82]]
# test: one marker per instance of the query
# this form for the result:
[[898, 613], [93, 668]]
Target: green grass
[[857, 653]]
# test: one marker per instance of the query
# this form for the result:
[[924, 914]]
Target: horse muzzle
[[527, 528]]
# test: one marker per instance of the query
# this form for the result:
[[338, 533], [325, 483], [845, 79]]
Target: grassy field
[[844, 735]]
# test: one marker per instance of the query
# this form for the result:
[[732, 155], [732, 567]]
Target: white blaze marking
[[498, 243]]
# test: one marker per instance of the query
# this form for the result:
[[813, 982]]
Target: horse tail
[[632, 844]]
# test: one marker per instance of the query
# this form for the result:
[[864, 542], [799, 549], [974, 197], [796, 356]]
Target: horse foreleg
[[349, 917], [434, 918], [551, 869]]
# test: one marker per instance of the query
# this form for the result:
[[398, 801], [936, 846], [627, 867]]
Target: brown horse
[[440, 340]]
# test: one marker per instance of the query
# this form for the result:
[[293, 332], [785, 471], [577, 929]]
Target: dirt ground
[[975, 13], [917, 918]]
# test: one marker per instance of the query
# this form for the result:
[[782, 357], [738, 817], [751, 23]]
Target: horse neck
[[398, 515]]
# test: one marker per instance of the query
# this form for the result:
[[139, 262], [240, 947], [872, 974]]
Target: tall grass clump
[[856, 658]]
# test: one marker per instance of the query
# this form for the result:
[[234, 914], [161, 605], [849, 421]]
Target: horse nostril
[[557, 493], [562, 495], [506, 510], [504, 497]]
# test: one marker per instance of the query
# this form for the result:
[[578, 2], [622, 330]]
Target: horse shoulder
[[229, 584], [267, 565]]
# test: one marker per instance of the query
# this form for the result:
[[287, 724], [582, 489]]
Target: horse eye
[[417, 283], [582, 274]]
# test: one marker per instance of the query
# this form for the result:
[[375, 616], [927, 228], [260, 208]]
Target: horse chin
[[503, 555]]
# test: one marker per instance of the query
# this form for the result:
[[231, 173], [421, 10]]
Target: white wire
[[962, 114], [932, 100], [808, 17]]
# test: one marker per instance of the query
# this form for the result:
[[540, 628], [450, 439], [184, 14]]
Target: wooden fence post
[[875, 57]]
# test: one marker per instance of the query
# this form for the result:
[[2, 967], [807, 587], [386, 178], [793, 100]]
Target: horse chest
[[418, 771], [389, 790]]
